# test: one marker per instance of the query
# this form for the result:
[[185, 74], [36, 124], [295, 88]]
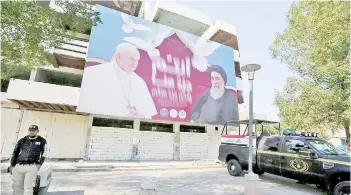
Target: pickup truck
[[307, 159]]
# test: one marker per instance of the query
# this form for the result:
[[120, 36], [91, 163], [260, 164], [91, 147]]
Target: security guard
[[27, 158]]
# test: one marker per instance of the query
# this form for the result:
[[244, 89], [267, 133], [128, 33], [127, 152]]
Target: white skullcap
[[127, 47]]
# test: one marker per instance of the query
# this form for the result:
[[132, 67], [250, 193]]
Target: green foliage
[[272, 129], [63, 81], [316, 46], [29, 30]]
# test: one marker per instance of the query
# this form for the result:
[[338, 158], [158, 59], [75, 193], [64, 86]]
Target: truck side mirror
[[299, 145], [307, 153], [296, 149], [314, 155]]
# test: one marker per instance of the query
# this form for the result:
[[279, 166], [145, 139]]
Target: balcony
[[5, 103], [194, 22], [72, 52], [51, 97], [180, 17]]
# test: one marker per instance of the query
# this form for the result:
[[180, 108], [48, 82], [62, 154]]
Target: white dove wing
[[125, 18], [158, 40], [200, 42], [207, 49], [139, 43], [140, 27], [127, 28], [194, 49]]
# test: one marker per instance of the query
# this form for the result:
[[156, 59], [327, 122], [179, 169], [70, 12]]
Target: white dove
[[130, 26], [201, 50], [144, 45]]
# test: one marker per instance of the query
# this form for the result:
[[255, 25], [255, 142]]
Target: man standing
[[218, 104], [28, 156], [114, 88]]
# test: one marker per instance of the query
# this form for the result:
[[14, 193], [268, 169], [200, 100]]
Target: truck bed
[[238, 152]]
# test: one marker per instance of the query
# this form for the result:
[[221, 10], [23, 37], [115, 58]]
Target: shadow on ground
[[79, 192], [292, 183]]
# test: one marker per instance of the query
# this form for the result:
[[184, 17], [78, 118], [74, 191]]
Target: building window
[[271, 144], [157, 127], [192, 129], [104, 122]]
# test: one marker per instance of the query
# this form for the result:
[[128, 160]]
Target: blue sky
[[257, 23]]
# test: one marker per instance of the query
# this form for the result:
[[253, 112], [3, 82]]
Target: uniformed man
[[27, 158]]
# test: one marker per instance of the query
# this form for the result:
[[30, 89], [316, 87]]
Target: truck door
[[292, 166], [301, 167], [268, 155]]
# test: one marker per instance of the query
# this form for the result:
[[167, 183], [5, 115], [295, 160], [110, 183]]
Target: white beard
[[217, 93]]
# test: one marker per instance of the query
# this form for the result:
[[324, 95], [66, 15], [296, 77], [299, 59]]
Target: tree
[[316, 46], [29, 29]]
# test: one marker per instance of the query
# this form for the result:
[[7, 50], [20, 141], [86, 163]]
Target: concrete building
[[49, 95]]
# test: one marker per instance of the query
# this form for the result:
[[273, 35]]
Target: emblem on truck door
[[299, 165]]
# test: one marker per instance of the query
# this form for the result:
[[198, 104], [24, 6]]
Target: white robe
[[102, 92]]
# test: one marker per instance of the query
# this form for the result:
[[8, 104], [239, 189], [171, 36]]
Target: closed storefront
[[65, 133], [155, 141], [110, 143], [193, 143], [10, 121]]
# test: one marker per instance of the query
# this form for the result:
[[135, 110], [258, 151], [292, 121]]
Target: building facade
[[49, 96]]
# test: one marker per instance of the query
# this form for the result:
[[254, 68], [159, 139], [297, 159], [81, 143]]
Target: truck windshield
[[325, 148]]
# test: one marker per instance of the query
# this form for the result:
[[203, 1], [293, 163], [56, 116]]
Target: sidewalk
[[100, 166]]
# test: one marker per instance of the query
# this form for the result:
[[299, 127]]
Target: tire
[[234, 168], [342, 188], [258, 172]]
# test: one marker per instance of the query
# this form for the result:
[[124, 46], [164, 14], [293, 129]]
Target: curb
[[132, 169], [116, 169]]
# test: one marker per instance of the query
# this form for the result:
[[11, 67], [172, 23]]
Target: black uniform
[[29, 151]]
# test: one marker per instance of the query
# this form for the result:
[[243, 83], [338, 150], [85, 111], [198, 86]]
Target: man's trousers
[[24, 177]]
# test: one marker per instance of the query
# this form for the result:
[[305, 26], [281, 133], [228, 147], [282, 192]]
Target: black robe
[[226, 108]]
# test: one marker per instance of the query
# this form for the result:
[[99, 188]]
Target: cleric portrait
[[217, 105]]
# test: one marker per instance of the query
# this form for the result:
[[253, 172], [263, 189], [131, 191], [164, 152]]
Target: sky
[[257, 23]]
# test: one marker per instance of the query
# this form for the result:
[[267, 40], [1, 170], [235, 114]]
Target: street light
[[250, 69]]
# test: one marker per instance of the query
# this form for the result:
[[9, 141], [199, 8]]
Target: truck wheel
[[342, 188], [234, 167], [258, 172]]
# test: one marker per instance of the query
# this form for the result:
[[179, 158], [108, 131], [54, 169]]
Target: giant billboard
[[140, 69]]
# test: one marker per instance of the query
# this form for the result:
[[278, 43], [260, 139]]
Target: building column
[[135, 149], [87, 137], [176, 141], [33, 75]]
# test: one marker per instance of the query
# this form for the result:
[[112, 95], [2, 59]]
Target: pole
[[251, 78]]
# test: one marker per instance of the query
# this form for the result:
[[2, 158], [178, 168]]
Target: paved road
[[169, 182]]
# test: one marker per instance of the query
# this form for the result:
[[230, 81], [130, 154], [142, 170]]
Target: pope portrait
[[114, 88]]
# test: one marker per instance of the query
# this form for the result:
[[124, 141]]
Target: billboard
[[140, 69]]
